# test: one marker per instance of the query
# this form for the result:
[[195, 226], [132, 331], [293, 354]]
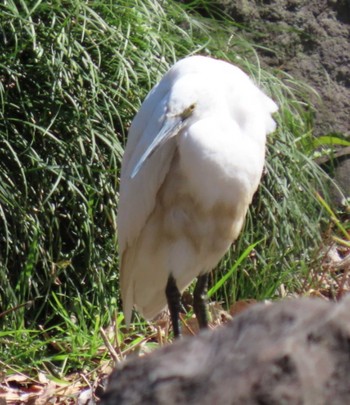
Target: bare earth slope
[[312, 42]]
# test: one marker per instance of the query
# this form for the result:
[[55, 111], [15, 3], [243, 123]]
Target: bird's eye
[[188, 111], [191, 108]]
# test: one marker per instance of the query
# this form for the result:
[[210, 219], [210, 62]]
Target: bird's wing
[[138, 194]]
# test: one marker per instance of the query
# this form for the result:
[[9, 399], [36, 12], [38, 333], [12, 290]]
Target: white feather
[[186, 205]]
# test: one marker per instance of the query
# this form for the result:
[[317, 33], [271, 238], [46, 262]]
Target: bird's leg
[[173, 296], [200, 300]]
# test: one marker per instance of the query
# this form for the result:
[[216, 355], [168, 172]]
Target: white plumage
[[193, 160]]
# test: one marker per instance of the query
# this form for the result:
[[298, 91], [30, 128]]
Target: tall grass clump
[[73, 74]]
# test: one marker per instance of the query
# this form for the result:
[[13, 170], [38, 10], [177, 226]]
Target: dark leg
[[173, 296], [200, 300]]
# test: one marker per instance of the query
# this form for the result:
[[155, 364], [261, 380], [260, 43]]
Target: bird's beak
[[170, 128]]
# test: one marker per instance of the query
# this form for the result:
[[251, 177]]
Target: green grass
[[73, 74]]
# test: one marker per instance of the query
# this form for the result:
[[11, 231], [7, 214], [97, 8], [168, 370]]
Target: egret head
[[193, 96], [187, 101]]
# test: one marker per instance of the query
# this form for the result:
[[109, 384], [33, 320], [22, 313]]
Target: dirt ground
[[311, 41]]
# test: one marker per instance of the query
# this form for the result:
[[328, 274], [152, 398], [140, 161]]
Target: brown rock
[[290, 352]]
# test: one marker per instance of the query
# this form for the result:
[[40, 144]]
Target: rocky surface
[[290, 352], [310, 39]]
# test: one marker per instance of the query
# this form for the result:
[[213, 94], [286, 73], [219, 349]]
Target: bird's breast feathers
[[221, 163]]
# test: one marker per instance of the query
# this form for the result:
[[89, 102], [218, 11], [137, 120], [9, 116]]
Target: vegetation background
[[72, 75]]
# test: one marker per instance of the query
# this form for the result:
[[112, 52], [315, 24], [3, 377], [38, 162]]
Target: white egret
[[193, 160]]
